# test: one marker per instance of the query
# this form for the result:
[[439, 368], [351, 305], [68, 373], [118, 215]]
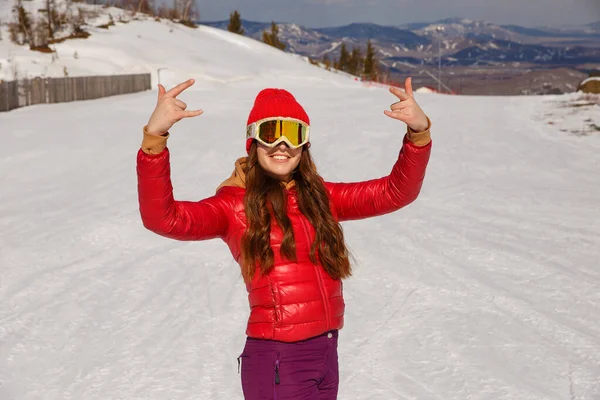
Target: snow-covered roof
[[590, 79]]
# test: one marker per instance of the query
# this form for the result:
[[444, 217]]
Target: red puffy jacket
[[296, 300]]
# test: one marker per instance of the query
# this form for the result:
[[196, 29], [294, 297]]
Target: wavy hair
[[265, 201]]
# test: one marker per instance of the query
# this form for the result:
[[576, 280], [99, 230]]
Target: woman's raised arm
[[402, 186], [160, 212]]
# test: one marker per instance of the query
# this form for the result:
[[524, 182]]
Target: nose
[[282, 146]]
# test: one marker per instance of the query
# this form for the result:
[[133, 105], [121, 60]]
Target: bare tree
[[23, 24], [189, 12], [50, 17], [39, 37]]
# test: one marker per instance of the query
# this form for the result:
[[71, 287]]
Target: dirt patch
[[578, 115], [74, 35], [106, 26], [42, 49]]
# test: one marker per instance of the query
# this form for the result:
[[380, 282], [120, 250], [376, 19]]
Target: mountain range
[[457, 41]]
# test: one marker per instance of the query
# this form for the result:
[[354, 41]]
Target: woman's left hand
[[407, 110]]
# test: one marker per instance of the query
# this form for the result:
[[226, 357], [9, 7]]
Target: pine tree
[[355, 62], [272, 38], [343, 61], [235, 23], [370, 69]]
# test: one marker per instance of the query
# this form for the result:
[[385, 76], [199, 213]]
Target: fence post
[[25, 92], [3, 96]]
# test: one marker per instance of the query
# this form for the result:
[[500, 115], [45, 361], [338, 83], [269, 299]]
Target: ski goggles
[[272, 131]]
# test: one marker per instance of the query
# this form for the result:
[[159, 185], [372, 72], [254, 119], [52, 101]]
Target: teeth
[[280, 157]]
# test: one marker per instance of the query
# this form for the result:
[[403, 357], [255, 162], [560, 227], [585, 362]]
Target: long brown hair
[[265, 200]]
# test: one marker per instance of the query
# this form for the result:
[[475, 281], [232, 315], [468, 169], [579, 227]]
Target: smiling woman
[[278, 162], [279, 140], [280, 220]]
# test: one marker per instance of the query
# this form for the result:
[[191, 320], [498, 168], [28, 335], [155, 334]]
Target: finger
[[399, 93], [396, 115], [180, 104], [400, 105], [408, 86], [161, 91], [189, 114], [176, 91]]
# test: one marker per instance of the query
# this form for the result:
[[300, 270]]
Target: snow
[[148, 46], [590, 79], [487, 287], [424, 89], [94, 15], [385, 53], [31, 7]]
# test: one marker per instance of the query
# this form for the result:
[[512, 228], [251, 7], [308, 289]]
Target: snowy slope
[[142, 46], [487, 287]]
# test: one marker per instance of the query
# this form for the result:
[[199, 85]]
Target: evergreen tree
[[370, 69], [235, 23], [272, 38], [343, 61], [355, 62]]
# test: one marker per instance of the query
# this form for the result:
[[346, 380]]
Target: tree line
[[351, 61], [43, 29]]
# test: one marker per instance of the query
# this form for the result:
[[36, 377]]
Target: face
[[280, 161]]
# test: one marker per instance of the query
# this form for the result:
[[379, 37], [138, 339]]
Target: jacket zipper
[[323, 295]]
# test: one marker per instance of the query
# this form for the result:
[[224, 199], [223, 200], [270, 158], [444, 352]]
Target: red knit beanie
[[275, 103]]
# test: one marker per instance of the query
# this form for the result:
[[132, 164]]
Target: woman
[[281, 223]]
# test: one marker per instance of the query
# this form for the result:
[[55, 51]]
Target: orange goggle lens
[[270, 132]]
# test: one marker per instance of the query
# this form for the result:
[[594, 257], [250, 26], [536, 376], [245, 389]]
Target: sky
[[322, 13]]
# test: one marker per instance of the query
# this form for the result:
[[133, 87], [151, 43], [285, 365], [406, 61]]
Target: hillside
[[140, 45], [495, 52]]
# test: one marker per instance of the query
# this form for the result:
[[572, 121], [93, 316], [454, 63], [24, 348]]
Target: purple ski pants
[[305, 370]]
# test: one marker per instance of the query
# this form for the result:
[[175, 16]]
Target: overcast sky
[[322, 13]]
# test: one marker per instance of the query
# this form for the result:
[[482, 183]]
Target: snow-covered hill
[[144, 45], [487, 287]]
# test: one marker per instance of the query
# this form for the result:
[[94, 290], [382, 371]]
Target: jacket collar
[[238, 177]]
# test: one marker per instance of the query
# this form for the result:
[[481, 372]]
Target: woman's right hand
[[169, 109]]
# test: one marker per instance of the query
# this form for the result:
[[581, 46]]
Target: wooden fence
[[9, 95], [26, 92]]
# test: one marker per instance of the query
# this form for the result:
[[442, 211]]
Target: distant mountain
[[298, 39], [462, 42], [594, 25], [325, 41], [531, 31], [461, 27], [502, 51], [251, 27], [375, 32]]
